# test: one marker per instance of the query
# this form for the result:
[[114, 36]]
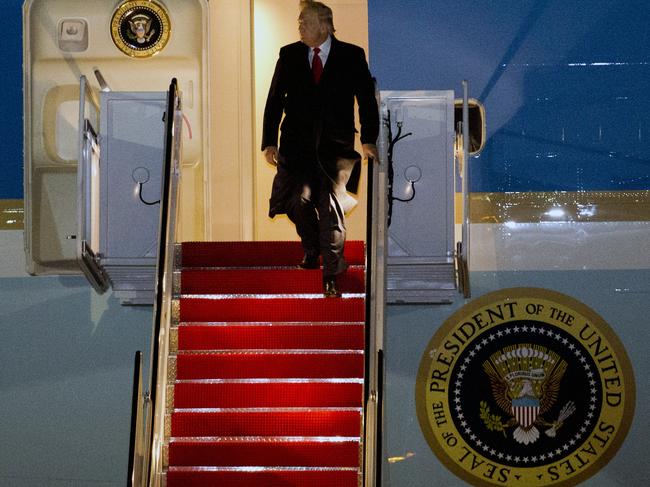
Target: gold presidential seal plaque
[[525, 387], [140, 28]]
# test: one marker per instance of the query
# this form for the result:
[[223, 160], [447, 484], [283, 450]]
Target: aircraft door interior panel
[[138, 47], [131, 161], [418, 134], [132, 155]]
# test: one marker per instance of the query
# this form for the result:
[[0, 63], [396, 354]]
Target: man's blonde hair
[[323, 11]]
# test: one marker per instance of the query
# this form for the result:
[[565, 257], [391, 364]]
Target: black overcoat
[[318, 126]]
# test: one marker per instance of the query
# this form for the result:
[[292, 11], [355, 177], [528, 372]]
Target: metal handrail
[[160, 347], [136, 443], [153, 417], [369, 394], [373, 353], [376, 225]]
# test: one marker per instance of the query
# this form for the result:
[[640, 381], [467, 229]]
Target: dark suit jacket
[[318, 126]]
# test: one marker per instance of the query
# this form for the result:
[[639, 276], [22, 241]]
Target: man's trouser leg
[[331, 227], [302, 213]]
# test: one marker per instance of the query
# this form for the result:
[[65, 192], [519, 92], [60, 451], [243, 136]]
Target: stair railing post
[[466, 189], [137, 450]]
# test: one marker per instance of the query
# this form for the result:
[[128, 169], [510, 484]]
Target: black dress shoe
[[330, 288], [309, 262]]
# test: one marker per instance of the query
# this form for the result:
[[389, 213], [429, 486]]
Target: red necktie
[[316, 66]]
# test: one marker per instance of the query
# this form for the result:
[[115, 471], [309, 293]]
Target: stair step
[[264, 452], [256, 254], [271, 365], [265, 281], [271, 336], [283, 393], [269, 477], [349, 309], [263, 422]]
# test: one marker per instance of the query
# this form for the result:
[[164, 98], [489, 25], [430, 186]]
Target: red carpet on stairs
[[266, 375]]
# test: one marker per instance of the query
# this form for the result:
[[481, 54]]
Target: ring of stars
[[474, 439]]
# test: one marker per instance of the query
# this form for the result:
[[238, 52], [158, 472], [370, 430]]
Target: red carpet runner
[[266, 375]]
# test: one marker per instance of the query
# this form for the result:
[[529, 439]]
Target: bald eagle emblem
[[525, 382], [140, 28]]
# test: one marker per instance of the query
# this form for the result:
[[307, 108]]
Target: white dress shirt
[[324, 51]]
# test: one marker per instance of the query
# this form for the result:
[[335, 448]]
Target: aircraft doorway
[[274, 25]]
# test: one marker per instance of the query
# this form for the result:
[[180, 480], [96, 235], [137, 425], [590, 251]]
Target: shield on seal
[[525, 410]]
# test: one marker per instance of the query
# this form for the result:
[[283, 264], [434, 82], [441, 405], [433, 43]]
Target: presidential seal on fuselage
[[140, 28], [525, 387]]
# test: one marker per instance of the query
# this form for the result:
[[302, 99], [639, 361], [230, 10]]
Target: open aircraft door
[[424, 140], [88, 195], [95, 83], [119, 178]]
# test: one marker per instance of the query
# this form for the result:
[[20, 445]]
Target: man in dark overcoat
[[314, 86]]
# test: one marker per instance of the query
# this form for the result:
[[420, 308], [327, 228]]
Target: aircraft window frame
[[475, 106]]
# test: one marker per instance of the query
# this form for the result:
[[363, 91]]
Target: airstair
[[257, 378], [265, 375]]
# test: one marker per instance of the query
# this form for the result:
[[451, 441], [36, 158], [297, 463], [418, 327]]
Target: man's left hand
[[370, 152]]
